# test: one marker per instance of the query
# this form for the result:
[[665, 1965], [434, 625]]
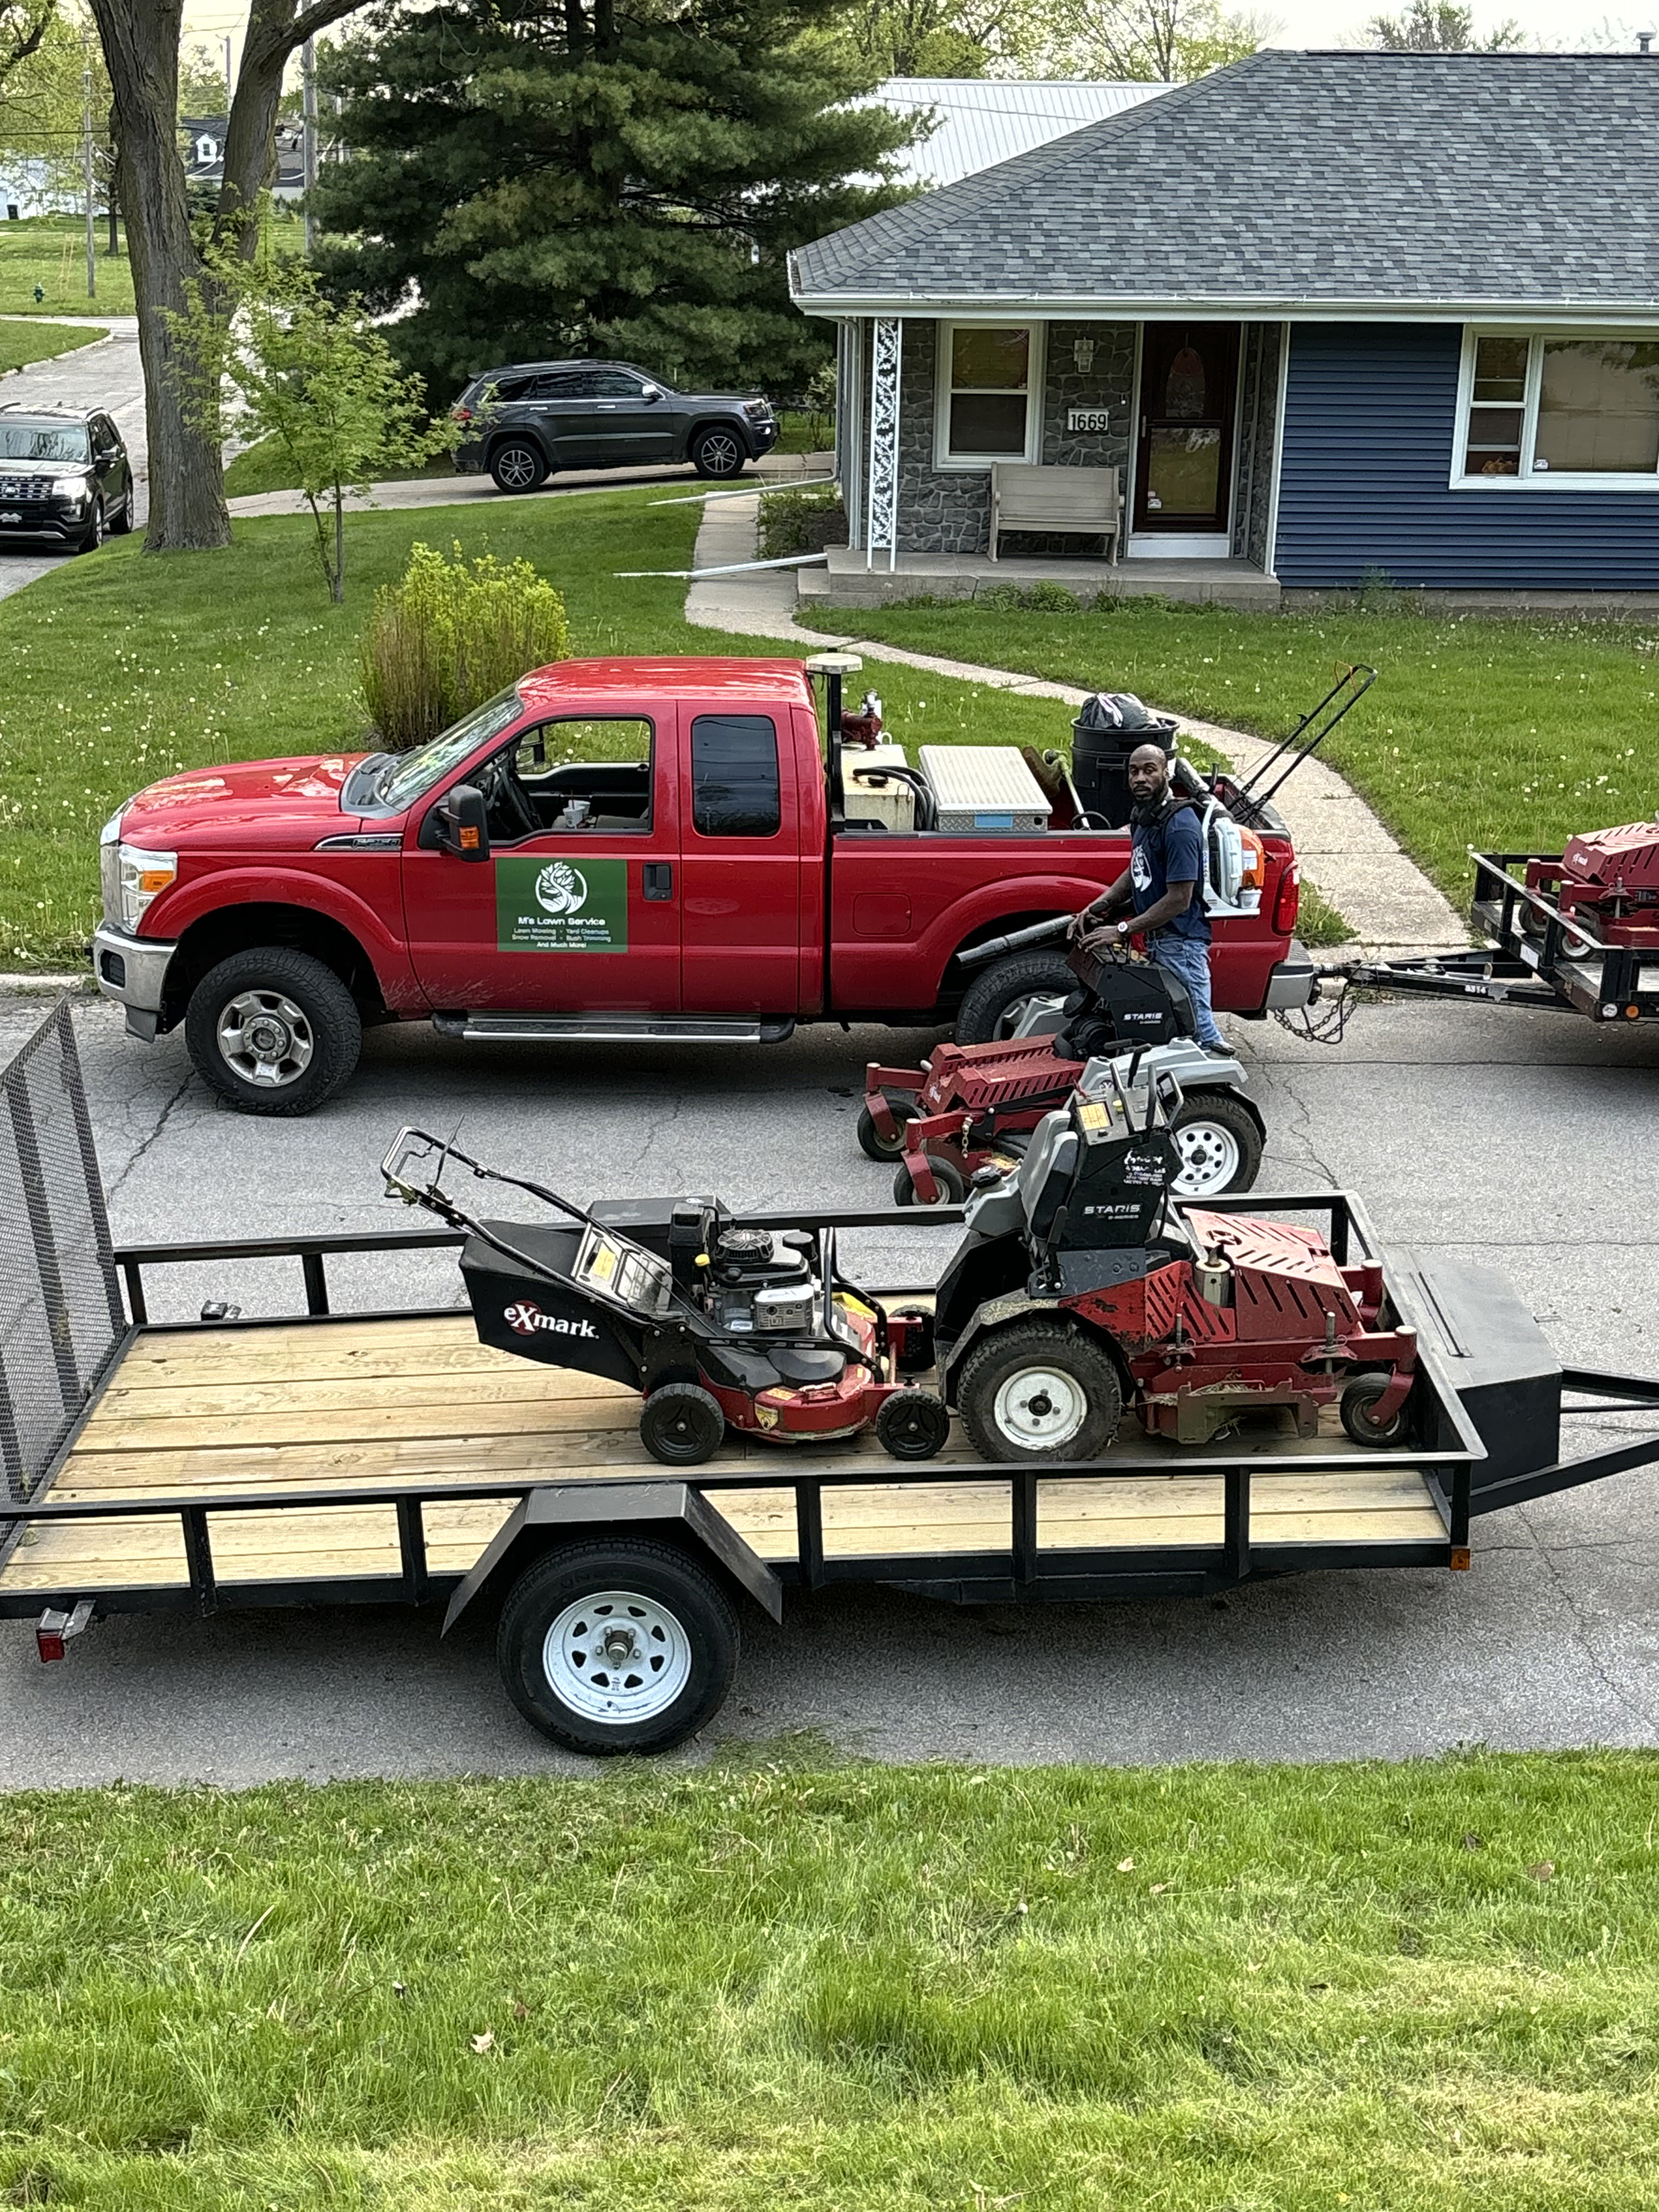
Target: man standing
[[1162, 886]]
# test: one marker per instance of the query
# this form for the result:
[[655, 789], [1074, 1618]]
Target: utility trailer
[[1549, 944], [389, 1458]]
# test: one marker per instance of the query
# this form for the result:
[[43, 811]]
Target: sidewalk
[[1355, 862]]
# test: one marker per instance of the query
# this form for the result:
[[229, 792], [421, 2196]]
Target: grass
[[22, 342], [50, 251], [264, 467], [775, 1983], [1318, 922], [1501, 735]]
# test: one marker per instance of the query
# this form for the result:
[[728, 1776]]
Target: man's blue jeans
[[1189, 958]]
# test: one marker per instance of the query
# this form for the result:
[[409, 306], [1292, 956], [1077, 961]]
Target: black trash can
[[1111, 726]]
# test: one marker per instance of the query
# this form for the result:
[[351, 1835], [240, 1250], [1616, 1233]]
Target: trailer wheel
[[273, 1030], [617, 1645], [952, 1184], [1361, 1395], [1041, 1391], [912, 1424], [993, 1003], [1219, 1144], [682, 1425], [872, 1143]]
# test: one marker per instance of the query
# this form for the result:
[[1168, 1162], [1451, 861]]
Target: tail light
[[1287, 905], [461, 413], [1255, 874]]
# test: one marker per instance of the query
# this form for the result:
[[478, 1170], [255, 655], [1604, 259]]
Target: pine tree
[[545, 178]]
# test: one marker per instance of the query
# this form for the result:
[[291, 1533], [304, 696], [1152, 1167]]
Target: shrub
[[1052, 599], [451, 634], [801, 522]]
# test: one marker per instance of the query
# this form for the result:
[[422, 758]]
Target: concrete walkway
[[462, 490], [1355, 862]]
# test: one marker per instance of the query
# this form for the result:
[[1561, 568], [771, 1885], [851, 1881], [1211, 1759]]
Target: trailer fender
[[542, 1515]]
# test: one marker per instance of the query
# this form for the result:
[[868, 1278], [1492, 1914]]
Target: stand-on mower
[[974, 1106]]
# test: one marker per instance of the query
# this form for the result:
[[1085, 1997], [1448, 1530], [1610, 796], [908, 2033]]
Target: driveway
[[1470, 1131], [105, 374]]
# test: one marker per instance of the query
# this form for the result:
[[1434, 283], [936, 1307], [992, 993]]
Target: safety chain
[[1328, 1029]]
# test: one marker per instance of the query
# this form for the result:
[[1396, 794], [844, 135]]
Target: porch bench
[[1070, 502]]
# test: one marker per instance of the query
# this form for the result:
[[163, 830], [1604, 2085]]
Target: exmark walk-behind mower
[[974, 1106]]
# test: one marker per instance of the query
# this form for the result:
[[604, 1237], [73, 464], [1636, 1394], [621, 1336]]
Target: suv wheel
[[273, 1030], [518, 466], [92, 537], [718, 452], [122, 522]]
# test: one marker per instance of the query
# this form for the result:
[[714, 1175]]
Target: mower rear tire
[[617, 1645], [681, 1424], [947, 1174], [921, 1353], [912, 1424], [872, 1143], [1038, 1392], [1358, 1400], [1219, 1144], [992, 1004]]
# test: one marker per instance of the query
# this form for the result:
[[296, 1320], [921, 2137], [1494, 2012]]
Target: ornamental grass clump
[[450, 634]]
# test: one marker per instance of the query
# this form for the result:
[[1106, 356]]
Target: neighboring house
[[30, 187], [975, 122], [1338, 316], [204, 154]]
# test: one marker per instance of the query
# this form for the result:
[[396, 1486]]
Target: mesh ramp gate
[[61, 1314]]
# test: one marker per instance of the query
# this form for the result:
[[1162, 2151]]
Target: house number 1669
[[1087, 418]]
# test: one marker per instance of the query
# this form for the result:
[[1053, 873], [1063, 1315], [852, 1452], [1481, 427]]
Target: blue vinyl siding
[[1370, 419]]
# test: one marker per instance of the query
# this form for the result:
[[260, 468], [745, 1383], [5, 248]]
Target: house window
[[1576, 412], [988, 381]]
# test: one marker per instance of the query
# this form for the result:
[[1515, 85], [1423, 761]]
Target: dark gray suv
[[523, 423]]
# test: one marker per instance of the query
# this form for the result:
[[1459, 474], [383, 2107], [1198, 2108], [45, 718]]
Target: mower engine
[[1608, 878]]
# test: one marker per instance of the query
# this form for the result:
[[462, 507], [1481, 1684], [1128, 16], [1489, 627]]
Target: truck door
[[577, 909], [740, 864]]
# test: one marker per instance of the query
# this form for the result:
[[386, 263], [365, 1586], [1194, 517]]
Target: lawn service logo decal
[[523, 1317], [559, 906]]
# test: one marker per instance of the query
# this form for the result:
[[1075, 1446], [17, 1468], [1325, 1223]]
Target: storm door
[[1189, 382]]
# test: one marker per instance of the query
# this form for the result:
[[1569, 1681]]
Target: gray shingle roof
[[1403, 180]]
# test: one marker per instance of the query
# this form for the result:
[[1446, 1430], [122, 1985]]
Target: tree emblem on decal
[[561, 889]]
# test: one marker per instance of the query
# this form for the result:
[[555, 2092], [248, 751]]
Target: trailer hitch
[[53, 1629]]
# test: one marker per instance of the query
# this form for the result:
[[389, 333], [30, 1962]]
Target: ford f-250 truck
[[621, 849]]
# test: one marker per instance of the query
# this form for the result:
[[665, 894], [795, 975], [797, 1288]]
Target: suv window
[[568, 384], [616, 383], [734, 784]]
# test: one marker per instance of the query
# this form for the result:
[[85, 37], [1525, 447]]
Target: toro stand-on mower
[[975, 1106]]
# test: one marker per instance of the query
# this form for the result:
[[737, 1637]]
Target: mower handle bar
[[1354, 681]]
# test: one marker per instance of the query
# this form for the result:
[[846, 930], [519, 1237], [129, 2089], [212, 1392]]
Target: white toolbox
[[869, 796], [982, 790]]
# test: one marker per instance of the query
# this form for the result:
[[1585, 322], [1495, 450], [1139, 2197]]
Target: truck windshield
[[416, 772]]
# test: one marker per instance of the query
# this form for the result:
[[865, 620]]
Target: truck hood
[[272, 801]]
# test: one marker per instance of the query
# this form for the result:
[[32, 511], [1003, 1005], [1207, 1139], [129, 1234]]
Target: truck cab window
[[587, 774], [734, 782]]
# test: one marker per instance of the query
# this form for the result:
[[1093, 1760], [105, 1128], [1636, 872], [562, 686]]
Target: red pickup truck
[[623, 848]]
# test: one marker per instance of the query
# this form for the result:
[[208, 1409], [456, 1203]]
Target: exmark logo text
[[526, 1318]]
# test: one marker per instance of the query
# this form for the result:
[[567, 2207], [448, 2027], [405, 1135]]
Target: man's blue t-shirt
[[1171, 850]]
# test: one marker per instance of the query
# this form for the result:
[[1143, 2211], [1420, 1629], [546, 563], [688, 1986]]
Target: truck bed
[[415, 1402]]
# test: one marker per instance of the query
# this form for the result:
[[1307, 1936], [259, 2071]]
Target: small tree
[[1442, 27], [263, 355]]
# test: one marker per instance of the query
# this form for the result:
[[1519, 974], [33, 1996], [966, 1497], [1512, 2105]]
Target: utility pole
[[229, 89], [309, 78], [87, 155]]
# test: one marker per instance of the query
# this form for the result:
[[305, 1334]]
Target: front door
[[631, 428], [740, 864], [1189, 380]]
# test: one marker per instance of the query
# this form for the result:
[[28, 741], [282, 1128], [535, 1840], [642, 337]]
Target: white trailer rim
[[1039, 1408], [617, 1656]]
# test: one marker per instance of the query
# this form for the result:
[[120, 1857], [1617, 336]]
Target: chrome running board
[[614, 1028]]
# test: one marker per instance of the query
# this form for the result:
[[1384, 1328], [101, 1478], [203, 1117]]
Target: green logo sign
[[560, 905]]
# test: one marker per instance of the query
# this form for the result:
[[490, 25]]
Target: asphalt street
[[106, 374], [1529, 1139]]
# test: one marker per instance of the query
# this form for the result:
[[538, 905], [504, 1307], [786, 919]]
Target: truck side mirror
[[459, 824]]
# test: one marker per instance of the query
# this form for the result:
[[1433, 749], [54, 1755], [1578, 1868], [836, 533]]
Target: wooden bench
[[1068, 501]]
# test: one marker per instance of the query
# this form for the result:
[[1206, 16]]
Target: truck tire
[[1219, 1143], [273, 1030], [1038, 1392], [617, 1645], [993, 1002], [719, 451], [518, 465]]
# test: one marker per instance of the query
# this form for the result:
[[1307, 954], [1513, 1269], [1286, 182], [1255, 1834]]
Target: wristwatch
[[1122, 928]]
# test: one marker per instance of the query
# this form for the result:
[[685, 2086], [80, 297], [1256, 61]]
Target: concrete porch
[[846, 582]]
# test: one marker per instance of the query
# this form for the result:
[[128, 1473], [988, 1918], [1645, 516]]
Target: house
[[1335, 317], [974, 122], [203, 139]]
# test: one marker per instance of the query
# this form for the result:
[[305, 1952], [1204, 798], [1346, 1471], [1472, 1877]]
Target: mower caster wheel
[[912, 1424], [919, 1354], [873, 1144], [947, 1175], [1040, 1391], [1361, 1395], [682, 1425]]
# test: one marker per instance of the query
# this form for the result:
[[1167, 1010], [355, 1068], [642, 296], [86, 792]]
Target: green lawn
[[263, 468], [22, 342], [50, 251], [760, 1985], [1501, 735]]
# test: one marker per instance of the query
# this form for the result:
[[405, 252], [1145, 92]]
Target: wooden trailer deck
[[416, 1401]]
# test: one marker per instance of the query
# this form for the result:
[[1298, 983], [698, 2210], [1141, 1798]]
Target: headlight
[[110, 833], [144, 876], [758, 411], [69, 488]]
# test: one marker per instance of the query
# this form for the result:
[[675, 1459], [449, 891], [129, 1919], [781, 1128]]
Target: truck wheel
[[1358, 1400], [993, 1003], [1219, 1144], [518, 466], [682, 1425], [718, 452], [273, 1030], [912, 1424], [617, 1645], [872, 1143], [1038, 1392], [952, 1182]]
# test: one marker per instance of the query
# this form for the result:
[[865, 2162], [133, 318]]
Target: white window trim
[[1036, 374], [1531, 479]]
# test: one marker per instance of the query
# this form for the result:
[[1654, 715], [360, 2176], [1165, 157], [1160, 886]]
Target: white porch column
[[882, 504]]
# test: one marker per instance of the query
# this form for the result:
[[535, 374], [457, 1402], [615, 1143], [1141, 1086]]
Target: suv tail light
[[461, 413], [1287, 905]]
